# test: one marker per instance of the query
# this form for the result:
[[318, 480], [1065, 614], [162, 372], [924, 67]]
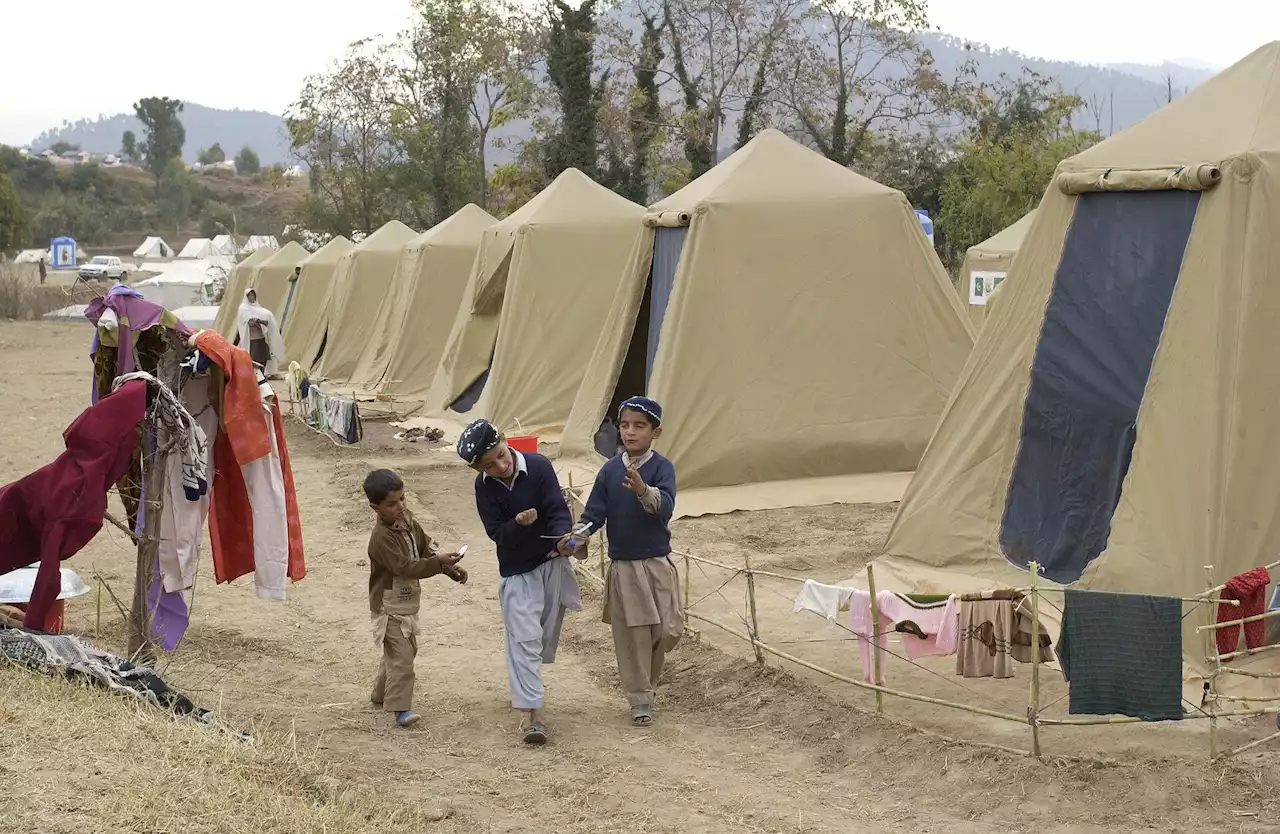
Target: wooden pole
[[875, 638], [97, 622], [751, 600], [686, 582], [1211, 642], [1033, 707]]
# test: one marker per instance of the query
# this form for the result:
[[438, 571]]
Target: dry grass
[[75, 759], [22, 297]]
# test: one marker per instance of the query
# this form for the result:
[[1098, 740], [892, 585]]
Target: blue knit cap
[[645, 405]]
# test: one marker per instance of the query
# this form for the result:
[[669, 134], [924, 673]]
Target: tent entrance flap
[[467, 399], [1102, 325], [668, 243], [633, 376]]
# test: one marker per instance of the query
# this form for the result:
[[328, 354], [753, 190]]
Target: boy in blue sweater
[[634, 496], [523, 510]]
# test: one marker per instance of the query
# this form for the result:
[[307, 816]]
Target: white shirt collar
[[522, 468], [645, 458]]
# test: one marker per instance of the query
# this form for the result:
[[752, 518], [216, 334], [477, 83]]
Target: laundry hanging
[[51, 514]]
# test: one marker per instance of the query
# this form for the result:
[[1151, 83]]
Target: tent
[[1116, 421], [153, 247], [182, 284], [34, 256], [197, 247], [224, 245], [271, 278], [240, 279], [256, 242], [796, 326], [418, 311], [986, 264], [542, 282], [360, 282], [305, 307]]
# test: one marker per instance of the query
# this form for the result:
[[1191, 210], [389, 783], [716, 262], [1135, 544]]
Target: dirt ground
[[738, 748]]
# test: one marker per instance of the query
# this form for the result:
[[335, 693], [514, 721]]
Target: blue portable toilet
[[926, 223], [63, 252]]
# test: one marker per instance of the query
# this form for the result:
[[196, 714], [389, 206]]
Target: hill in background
[[264, 132], [1115, 96]]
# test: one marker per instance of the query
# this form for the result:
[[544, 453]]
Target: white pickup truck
[[104, 268]]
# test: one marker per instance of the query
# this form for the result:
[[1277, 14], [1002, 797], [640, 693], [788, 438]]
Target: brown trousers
[[641, 651], [394, 687]]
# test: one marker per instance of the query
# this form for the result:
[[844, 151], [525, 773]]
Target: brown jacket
[[400, 555]]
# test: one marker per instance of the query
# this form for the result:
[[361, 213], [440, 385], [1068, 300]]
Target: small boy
[[634, 496], [523, 510], [400, 556]]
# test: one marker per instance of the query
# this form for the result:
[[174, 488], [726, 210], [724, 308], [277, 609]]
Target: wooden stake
[[1033, 707], [97, 622], [751, 600], [875, 638], [1211, 641], [686, 582]]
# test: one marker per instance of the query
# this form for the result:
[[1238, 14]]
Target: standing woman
[[259, 333], [524, 512]]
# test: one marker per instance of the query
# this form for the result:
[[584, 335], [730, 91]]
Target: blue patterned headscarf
[[644, 405], [476, 439]]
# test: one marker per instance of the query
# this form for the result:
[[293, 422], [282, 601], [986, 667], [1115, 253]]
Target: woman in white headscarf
[[259, 333]]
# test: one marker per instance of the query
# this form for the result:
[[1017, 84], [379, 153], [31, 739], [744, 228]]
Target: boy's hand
[[633, 482], [448, 560], [527, 517], [562, 546], [457, 574]]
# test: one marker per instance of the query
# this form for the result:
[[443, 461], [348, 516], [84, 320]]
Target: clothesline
[[1219, 588]]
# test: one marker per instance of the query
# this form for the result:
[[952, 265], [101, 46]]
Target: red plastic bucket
[[523, 443], [53, 620]]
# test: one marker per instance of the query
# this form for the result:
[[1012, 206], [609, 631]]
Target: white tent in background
[[153, 247], [197, 247], [33, 256], [257, 242], [182, 283], [224, 245]]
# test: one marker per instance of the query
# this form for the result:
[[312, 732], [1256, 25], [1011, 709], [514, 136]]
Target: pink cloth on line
[[939, 621]]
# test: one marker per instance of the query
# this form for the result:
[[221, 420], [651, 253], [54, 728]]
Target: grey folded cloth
[[1122, 654]]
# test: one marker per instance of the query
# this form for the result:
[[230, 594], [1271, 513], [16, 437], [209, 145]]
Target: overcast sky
[[78, 58]]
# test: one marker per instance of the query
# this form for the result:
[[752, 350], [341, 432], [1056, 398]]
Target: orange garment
[[241, 400], [242, 432]]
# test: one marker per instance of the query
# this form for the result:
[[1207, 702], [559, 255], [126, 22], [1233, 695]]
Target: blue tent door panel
[[1102, 325], [667, 246]]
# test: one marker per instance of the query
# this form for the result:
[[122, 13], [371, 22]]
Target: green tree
[[62, 147], [570, 63], [15, 229], [129, 147], [1020, 130], [217, 219], [247, 161], [175, 196], [212, 155], [165, 134]]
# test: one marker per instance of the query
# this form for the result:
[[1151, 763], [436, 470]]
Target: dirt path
[[738, 748]]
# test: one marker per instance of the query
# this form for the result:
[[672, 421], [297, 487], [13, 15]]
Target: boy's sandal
[[535, 733], [642, 715]]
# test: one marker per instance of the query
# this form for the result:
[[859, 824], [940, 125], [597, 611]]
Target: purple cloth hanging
[[134, 313], [169, 614]]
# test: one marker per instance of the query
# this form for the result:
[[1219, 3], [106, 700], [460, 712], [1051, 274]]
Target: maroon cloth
[[55, 511], [1250, 589]]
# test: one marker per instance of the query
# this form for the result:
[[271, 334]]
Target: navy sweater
[[522, 549], [633, 533]]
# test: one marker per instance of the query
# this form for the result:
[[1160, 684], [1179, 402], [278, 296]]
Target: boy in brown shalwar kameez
[[400, 556], [635, 495]]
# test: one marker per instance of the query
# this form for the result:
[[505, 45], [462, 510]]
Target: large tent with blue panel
[[1117, 422], [796, 326]]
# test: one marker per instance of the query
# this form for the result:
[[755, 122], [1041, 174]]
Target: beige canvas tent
[[271, 279], [796, 326], [1116, 421], [360, 282], [418, 311], [238, 281], [305, 308], [986, 264], [535, 303]]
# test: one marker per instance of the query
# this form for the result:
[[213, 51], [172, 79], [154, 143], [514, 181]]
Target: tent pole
[[1215, 659], [875, 638], [1033, 706]]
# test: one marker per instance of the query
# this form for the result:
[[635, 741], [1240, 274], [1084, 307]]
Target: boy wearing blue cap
[[634, 497]]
